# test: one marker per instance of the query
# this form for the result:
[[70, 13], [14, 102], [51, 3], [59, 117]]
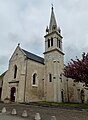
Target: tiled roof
[[33, 57]]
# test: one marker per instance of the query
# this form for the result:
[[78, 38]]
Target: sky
[[25, 21]]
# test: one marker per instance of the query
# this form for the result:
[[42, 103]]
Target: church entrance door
[[13, 93]]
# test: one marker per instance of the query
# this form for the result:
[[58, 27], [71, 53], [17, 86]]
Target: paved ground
[[9, 117], [45, 112]]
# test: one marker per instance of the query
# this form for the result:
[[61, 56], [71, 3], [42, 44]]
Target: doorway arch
[[62, 95], [13, 94], [82, 96]]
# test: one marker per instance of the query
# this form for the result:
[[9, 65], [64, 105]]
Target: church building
[[31, 78]]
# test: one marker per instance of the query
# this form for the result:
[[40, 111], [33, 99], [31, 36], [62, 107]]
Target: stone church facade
[[32, 78]]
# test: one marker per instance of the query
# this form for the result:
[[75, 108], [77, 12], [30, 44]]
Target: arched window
[[34, 78], [15, 71], [50, 77], [51, 41], [48, 43], [82, 96], [59, 44], [62, 95]]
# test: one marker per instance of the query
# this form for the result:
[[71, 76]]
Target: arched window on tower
[[51, 41], [48, 43], [59, 44], [15, 71]]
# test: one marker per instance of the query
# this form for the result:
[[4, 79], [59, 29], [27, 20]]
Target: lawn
[[64, 105]]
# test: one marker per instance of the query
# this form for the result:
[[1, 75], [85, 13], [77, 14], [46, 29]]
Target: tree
[[78, 69]]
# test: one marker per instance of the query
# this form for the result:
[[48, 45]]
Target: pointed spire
[[53, 24]]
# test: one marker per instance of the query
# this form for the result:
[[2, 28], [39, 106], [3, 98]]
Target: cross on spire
[[52, 6], [53, 24]]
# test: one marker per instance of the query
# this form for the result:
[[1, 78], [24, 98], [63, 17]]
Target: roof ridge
[[32, 53], [34, 57]]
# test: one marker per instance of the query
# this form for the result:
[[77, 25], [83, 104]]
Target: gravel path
[[9, 117], [45, 112]]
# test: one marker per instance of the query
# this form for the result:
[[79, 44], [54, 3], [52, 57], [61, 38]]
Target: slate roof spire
[[53, 24]]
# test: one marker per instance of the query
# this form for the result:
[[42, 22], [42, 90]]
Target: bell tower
[[54, 60], [53, 38]]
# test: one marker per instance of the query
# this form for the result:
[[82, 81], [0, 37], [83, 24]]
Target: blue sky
[[25, 21]]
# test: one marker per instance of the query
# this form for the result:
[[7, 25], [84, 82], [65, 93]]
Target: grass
[[67, 105]]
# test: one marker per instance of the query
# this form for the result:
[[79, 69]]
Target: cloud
[[74, 20], [35, 45], [3, 60], [24, 21], [3, 63]]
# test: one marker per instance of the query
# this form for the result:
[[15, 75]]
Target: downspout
[[25, 79]]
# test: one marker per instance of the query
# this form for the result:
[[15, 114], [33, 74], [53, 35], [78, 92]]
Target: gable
[[17, 53], [21, 53]]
